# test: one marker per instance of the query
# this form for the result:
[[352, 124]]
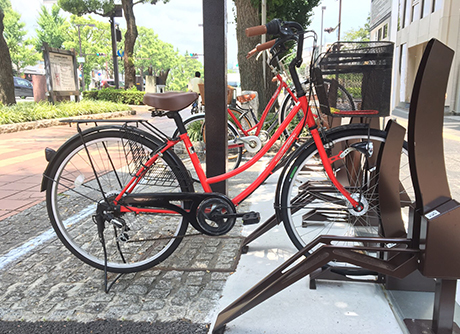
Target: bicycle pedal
[[251, 218]]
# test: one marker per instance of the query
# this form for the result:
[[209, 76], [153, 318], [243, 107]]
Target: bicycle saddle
[[170, 101]]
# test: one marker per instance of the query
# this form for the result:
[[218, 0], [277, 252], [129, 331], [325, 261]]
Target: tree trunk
[[251, 72], [6, 69], [130, 40]]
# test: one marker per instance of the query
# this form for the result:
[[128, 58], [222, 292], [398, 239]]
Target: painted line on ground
[[16, 253]]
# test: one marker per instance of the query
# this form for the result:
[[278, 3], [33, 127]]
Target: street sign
[[81, 59], [120, 53]]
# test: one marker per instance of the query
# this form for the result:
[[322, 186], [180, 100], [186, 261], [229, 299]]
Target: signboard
[[61, 72], [81, 59], [379, 10]]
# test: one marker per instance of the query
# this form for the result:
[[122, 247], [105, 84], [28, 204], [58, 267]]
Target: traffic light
[[118, 34], [100, 54], [329, 30]]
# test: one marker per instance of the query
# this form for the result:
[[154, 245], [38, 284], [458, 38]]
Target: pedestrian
[[193, 87]]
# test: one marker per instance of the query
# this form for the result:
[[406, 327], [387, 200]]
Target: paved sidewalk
[[41, 281]]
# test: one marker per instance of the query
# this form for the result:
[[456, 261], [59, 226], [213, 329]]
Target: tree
[[21, 51], [6, 70], [104, 8], [361, 35], [248, 15], [51, 28], [182, 72], [95, 43]]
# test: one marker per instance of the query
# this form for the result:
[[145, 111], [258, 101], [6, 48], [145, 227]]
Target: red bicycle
[[121, 199]]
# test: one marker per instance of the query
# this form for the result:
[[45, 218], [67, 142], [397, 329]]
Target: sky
[[178, 22]]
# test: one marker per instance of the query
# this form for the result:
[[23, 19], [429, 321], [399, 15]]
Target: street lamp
[[79, 43]]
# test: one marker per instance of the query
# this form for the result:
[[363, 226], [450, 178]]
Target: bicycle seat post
[[178, 120]]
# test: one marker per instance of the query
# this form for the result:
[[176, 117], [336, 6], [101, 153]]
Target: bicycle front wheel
[[74, 191], [311, 205]]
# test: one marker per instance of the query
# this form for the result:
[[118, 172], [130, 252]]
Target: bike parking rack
[[434, 232]]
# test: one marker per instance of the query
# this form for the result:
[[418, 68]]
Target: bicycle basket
[[136, 155], [358, 72]]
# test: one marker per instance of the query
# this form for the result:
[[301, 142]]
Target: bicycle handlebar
[[271, 28], [261, 47], [256, 31], [287, 31]]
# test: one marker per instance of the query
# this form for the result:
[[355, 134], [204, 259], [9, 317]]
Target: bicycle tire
[[196, 126], [314, 212], [73, 193], [344, 99]]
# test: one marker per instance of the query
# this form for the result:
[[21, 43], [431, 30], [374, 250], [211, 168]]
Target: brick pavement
[[22, 162]]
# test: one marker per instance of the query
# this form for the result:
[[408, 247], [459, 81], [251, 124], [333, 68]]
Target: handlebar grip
[[251, 53], [256, 31], [266, 45]]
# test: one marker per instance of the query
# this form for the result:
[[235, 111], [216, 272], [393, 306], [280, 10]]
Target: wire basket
[[356, 79], [137, 155]]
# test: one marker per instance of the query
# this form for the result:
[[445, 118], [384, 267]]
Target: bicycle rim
[[311, 206], [73, 194]]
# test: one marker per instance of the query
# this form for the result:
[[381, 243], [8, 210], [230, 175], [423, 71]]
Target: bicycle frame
[[206, 182], [260, 123]]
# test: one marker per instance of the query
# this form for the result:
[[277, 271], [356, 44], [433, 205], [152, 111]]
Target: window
[[437, 4], [426, 8], [400, 15], [24, 83], [385, 31], [379, 34], [416, 10], [407, 13]]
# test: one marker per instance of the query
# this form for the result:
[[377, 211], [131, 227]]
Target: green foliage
[[150, 51], [93, 40], [51, 29], [20, 48], [182, 72], [290, 10], [5, 4], [81, 7], [130, 96], [31, 111], [361, 35]]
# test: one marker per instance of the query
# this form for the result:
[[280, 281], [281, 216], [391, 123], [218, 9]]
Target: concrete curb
[[45, 123]]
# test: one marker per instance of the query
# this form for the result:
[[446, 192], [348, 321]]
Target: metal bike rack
[[434, 233]]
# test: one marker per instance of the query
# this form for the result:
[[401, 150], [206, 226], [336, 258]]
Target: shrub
[[31, 111], [130, 96]]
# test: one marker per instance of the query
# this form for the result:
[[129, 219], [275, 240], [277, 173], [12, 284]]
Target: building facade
[[411, 24]]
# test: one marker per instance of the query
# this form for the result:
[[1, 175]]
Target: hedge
[[130, 96]]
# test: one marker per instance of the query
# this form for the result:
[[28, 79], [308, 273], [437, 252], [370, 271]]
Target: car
[[23, 88], [111, 83]]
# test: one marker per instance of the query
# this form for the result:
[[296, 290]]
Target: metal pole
[[322, 18], [215, 70], [114, 52], [340, 18], [81, 64], [263, 40]]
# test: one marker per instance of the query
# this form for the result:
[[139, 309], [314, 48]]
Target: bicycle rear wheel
[[311, 205], [74, 191]]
